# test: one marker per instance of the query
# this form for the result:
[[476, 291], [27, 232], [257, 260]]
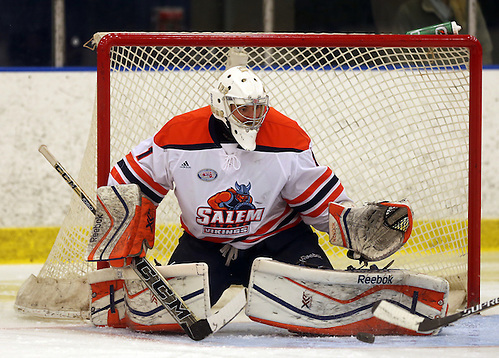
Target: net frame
[[316, 40]]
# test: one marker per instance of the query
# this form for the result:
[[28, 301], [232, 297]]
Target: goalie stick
[[195, 328], [399, 316]]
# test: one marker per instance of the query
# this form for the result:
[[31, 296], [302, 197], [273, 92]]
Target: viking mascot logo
[[237, 198], [230, 211]]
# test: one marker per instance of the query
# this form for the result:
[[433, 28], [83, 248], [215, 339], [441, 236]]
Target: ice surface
[[21, 336]]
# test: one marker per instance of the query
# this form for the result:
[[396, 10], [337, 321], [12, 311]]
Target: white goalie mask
[[240, 101]]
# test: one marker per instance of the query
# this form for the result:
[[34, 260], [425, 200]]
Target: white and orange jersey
[[227, 194]]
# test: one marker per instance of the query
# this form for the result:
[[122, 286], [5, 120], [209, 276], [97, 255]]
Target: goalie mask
[[240, 101]]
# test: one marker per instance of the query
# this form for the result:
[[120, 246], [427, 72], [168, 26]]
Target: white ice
[[21, 336]]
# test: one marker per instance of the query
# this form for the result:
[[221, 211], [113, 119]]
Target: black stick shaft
[[431, 324]]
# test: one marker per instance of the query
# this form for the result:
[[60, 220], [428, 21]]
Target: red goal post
[[395, 116]]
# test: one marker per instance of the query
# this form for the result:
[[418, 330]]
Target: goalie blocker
[[124, 225]]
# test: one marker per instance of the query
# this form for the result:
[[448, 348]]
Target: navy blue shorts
[[298, 245]]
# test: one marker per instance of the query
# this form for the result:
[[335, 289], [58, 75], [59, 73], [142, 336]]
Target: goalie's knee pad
[[331, 302], [121, 299]]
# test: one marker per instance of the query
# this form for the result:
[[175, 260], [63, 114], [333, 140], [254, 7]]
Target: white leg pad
[[107, 305], [121, 299], [339, 303], [145, 313]]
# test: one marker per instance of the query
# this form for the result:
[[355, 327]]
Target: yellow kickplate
[[26, 245], [490, 234], [32, 245]]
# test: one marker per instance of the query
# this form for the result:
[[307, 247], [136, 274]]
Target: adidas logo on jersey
[[185, 165]]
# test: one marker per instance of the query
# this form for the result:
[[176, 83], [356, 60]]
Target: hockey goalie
[[250, 191]]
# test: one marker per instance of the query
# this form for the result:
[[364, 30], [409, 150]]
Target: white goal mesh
[[395, 121]]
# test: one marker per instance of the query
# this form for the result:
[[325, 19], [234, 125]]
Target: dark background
[[26, 25]]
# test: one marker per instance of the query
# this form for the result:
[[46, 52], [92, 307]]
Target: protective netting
[[392, 122]]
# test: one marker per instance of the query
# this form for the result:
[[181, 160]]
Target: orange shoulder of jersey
[[191, 128], [186, 129], [279, 131]]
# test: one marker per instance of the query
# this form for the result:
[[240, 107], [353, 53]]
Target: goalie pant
[[298, 246]]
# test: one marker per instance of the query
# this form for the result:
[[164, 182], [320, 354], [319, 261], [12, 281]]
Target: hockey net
[[396, 117]]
